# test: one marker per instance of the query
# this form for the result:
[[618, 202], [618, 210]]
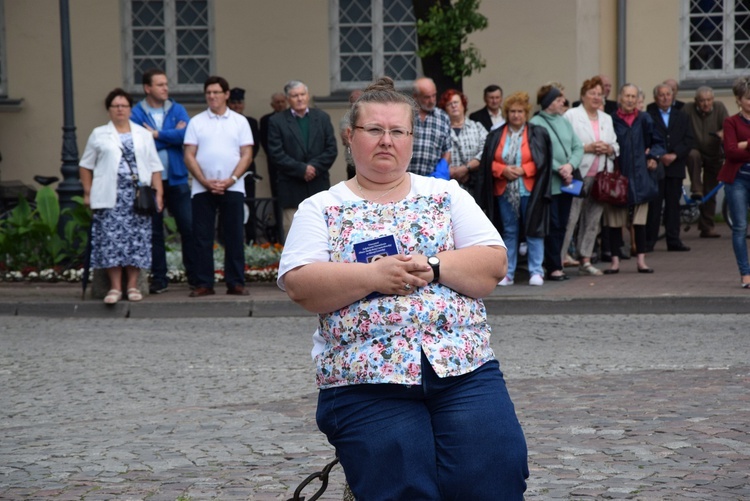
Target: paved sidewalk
[[638, 407], [704, 280]]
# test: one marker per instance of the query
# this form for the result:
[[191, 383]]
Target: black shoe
[[696, 196], [678, 248], [556, 278], [157, 289], [645, 270], [611, 271]]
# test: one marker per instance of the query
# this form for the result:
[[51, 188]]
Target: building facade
[[334, 46]]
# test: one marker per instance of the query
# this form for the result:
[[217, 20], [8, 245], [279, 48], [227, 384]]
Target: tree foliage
[[444, 33]]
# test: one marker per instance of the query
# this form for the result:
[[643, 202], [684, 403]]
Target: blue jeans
[[177, 201], [452, 438], [231, 213], [511, 225], [738, 197]]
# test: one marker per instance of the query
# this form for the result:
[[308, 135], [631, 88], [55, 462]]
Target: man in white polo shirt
[[218, 151]]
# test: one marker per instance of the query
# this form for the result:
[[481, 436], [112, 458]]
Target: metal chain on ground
[[323, 476]]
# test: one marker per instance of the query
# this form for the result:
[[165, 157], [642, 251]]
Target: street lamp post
[[71, 183]]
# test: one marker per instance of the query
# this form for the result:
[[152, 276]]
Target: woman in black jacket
[[516, 167]]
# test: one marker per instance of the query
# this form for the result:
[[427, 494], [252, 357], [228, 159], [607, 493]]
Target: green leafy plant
[[445, 32], [76, 229], [29, 238]]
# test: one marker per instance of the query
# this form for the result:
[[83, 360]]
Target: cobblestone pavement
[[639, 407]]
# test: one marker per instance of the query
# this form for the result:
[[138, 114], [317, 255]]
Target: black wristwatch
[[434, 263]]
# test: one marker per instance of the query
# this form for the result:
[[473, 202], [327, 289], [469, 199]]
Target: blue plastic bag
[[442, 170]]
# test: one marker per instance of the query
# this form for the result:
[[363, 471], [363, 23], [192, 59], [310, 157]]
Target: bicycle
[[690, 208], [11, 192]]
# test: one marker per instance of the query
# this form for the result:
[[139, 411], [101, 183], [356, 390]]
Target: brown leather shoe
[[202, 291], [237, 290], [709, 234]]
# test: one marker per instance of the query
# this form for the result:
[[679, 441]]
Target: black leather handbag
[[145, 196]]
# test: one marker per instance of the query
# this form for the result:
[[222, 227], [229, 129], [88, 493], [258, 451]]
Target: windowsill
[[714, 83], [184, 98], [8, 104], [338, 99]]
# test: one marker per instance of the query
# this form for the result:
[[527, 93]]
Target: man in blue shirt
[[167, 121]]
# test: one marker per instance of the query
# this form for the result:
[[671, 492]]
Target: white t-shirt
[[219, 138], [307, 241]]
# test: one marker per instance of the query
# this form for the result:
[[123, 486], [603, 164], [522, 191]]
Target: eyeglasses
[[375, 131], [119, 106]]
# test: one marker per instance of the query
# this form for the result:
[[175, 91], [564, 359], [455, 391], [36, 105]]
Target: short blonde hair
[[519, 98]]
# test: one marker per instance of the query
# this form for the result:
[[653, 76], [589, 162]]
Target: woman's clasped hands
[[400, 274], [512, 172]]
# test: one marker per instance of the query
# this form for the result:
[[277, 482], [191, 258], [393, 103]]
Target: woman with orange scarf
[[516, 166]]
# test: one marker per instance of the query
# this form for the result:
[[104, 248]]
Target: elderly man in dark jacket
[[302, 148], [674, 126]]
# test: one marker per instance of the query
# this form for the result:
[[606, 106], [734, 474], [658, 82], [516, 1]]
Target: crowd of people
[[522, 171], [514, 161]]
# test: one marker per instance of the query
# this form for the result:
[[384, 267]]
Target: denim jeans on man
[[453, 438], [738, 197], [511, 225], [177, 201], [231, 213]]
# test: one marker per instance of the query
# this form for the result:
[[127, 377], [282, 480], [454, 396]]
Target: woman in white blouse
[[594, 128], [114, 154], [467, 142]]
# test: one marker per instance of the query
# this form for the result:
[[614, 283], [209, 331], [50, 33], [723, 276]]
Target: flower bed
[[261, 265]]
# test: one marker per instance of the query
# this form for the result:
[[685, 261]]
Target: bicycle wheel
[[7, 209]]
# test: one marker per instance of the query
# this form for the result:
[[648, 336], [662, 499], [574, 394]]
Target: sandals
[[589, 269], [570, 262], [134, 295], [113, 296]]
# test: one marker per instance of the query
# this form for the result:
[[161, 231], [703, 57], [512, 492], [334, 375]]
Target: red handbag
[[610, 188]]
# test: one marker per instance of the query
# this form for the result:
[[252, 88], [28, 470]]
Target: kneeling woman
[[411, 395], [516, 164]]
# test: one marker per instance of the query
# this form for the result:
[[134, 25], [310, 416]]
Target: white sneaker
[[523, 248], [505, 282], [536, 280]]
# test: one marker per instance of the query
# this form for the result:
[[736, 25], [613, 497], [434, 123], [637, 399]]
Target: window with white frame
[[370, 39], [173, 35], [717, 39], [3, 69]]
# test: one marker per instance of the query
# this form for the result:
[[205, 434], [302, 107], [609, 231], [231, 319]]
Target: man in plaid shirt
[[432, 132]]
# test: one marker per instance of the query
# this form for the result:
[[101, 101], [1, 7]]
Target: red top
[[736, 130], [527, 164]]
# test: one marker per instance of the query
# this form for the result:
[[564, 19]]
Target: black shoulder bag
[[145, 196]]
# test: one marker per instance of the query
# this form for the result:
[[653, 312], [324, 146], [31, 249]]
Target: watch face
[[433, 260]]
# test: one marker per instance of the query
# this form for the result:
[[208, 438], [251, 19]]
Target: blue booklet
[[574, 188], [372, 250]]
